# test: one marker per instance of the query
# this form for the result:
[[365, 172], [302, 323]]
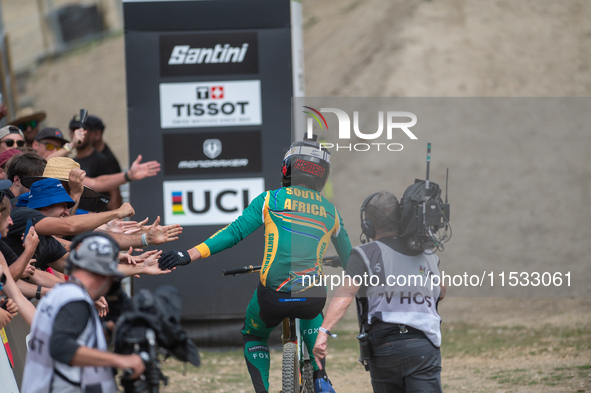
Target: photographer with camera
[[400, 326], [67, 349]]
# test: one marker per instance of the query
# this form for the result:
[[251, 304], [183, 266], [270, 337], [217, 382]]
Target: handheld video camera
[[150, 325], [425, 217]]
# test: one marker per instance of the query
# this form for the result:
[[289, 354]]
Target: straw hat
[[59, 168], [27, 114]]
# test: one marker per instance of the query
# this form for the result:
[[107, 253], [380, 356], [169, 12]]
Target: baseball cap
[[97, 253], [92, 123], [50, 132], [5, 184], [48, 192], [7, 155], [10, 130]]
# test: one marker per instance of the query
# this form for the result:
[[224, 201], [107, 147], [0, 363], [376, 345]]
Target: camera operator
[[400, 322], [68, 350]]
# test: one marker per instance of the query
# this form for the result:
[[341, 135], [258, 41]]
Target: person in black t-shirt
[[108, 164], [94, 164]]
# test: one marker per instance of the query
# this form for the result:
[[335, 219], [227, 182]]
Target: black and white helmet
[[306, 162], [95, 252]]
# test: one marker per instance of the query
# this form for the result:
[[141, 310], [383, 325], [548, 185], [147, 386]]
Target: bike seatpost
[[292, 330]]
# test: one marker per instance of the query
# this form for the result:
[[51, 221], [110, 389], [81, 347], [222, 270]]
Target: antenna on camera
[[446, 178], [428, 164]]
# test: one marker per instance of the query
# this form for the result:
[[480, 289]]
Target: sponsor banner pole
[[209, 87]]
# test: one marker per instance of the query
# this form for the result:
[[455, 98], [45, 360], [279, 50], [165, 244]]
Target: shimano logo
[[184, 54]]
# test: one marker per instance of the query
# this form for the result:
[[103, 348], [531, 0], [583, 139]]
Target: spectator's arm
[[30, 290], [26, 308], [116, 199], [74, 225], [138, 171], [5, 318], [76, 180], [76, 140], [30, 244], [59, 265], [157, 234], [45, 279]]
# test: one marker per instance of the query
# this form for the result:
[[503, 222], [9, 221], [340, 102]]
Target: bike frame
[[290, 326]]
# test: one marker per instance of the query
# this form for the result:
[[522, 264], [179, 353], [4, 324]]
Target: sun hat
[[4, 131], [48, 192], [27, 114], [23, 200], [59, 168]]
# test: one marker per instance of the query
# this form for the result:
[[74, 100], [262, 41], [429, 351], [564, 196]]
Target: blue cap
[[48, 192], [23, 200]]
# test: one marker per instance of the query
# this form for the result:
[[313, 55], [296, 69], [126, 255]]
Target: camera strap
[[364, 346]]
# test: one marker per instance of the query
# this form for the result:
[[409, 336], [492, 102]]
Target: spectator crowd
[[53, 187]]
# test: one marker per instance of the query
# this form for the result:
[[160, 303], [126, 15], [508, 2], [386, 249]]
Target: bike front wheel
[[290, 371]]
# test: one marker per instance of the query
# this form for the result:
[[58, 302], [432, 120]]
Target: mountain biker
[[298, 224]]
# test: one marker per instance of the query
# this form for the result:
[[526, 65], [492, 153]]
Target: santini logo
[[392, 123], [184, 54], [209, 54]]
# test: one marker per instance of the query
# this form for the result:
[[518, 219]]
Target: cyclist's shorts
[[276, 306]]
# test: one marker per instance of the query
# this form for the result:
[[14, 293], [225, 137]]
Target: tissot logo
[[208, 54], [208, 202], [213, 92], [396, 122], [213, 104]]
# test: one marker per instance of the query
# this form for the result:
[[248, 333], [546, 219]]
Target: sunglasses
[[32, 124], [50, 146], [10, 143]]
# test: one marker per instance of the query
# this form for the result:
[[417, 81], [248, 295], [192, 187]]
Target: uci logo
[[208, 202], [391, 118]]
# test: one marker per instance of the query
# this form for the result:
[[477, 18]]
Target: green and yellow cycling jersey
[[298, 225]]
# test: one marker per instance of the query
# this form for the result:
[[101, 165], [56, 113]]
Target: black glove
[[173, 258]]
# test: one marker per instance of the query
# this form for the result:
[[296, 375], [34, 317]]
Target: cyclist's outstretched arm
[[250, 219]]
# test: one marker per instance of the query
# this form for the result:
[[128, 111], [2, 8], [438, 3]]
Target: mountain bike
[[297, 372]]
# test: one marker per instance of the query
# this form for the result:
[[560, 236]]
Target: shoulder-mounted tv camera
[[425, 217]]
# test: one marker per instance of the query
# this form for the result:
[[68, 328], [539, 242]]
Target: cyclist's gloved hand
[[174, 258]]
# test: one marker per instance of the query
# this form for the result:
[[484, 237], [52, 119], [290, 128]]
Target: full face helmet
[[307, 163]]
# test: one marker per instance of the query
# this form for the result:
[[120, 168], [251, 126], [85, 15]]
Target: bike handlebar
[[241, 270], [332, 261]]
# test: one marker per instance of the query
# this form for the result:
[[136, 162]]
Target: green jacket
[[298, 224]]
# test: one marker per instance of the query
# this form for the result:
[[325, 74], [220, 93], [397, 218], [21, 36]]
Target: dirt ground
[[438, 48]]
